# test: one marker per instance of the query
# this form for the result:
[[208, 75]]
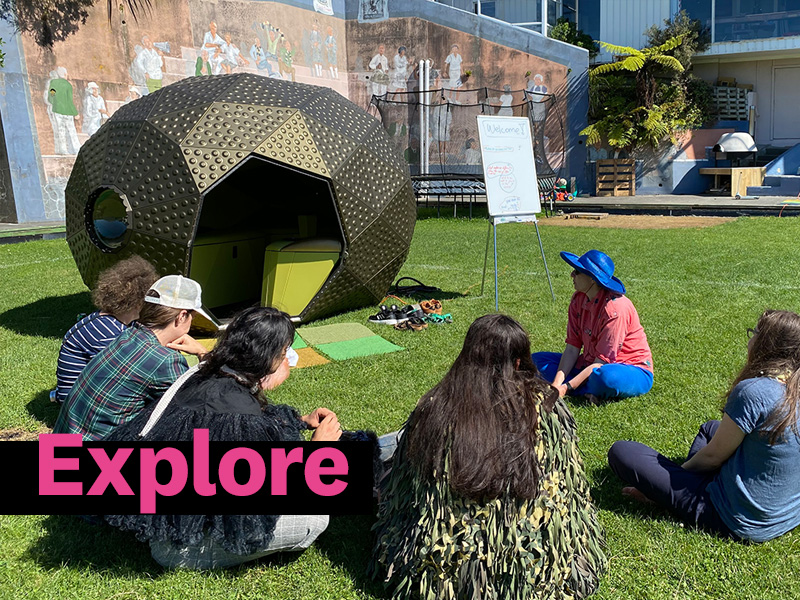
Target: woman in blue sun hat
[[606, 354]]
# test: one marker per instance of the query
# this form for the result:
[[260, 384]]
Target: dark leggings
[[684, 492]]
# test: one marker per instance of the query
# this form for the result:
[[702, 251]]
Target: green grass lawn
[[696, 290]]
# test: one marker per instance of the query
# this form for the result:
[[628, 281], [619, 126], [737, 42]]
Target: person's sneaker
[[412, 311], [388, 316]]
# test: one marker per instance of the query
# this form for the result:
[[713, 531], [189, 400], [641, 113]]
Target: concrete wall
[[39, 145]]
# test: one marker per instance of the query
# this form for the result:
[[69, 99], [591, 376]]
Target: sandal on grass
[[431, 306], [439, 319], [412, 324]]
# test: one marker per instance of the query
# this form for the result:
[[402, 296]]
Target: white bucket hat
[[177, 291]]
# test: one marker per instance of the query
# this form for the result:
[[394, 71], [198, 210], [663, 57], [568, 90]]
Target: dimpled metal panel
[[397, 210], [293, 145], [334, 147], [172, 220], [76, 195], [369, 179], [155, 170], [356, 216], [340, 115], [177, 125], [382, 280], [174, 144], [135, 111], [93, 153], [375, 248], [234, 126], [248, 88], [121, 135]]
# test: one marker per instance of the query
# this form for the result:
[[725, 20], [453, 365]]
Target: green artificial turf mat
[[338, 332], [374, 344], [298, 342]]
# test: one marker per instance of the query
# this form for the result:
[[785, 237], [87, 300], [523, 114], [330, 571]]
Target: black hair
[[252, 345], [483, 415]]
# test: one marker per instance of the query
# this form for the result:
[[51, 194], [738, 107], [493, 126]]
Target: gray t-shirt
[[757, 490]]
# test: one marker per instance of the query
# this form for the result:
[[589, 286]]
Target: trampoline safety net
[[452, 162]]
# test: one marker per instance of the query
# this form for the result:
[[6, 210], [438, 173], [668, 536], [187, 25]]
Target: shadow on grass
[[70, 542], [48, 317], [348, 544], [607, 495], [42, 409], [445, 211]]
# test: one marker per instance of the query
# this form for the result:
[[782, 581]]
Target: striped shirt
[[85, 339], [128, 374]]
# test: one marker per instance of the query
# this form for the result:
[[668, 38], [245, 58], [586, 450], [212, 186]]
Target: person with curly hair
[[487, 496], [118, 296]]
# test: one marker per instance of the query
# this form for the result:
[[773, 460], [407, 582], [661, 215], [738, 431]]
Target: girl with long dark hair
[[742, 476], [487, 497], [226, 396]]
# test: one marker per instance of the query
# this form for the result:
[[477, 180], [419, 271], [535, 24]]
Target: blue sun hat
[[598, 266]]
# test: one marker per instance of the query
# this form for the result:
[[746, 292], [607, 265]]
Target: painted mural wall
[[82, 81]]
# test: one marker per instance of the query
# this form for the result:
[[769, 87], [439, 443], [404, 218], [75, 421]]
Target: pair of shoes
[[431, 306], [439, 319], [393, 315], [412, 324]]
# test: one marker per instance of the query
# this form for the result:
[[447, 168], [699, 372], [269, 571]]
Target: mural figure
[[453, 62], [149, 62], [59, 96], [331, 54], [400, 73], [46, 96], [203, 65], [133, 94], [231, 56], [94, 109], [379, 65], [259, 57], [285, 59], [506, 100], [472, 156], [315, 40], [441, 118], [535, 91], [213, 43]]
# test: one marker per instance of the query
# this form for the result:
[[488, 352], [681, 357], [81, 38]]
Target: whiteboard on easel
[[509, 170]]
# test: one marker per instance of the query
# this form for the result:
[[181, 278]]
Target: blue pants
[[607, 381], [684, 492]]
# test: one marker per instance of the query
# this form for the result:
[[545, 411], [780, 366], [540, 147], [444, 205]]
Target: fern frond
[[670, 62], [632, 63], [621, 50], [670, 44]]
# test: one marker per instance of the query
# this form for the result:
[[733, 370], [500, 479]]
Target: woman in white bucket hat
[[139, 366]]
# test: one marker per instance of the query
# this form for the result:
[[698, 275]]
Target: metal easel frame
[[493, 230]]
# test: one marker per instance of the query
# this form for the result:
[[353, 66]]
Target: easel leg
[[496, 289], [486, 256], [544, 260]]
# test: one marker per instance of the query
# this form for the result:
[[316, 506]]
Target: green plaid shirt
[[132, 371]]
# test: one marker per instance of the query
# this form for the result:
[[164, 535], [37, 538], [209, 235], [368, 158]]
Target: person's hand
[[315, 417], [328, 430], [562, 389], [189, 345]]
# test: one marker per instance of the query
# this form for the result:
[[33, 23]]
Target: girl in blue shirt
[[742, 475]]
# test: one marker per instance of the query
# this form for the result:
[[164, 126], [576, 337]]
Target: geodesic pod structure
[[203, 176]]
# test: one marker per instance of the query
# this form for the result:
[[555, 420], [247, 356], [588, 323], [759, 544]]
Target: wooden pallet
[[616, 177]]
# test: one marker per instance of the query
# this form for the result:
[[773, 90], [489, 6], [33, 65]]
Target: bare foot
[[633, 493]]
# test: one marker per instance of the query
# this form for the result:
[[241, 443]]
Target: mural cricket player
[[261, 190]]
